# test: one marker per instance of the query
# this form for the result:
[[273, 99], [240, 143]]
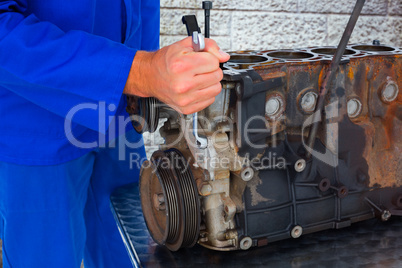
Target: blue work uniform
[[64, 132]]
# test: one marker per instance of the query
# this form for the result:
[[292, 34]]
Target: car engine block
[[240, 173]]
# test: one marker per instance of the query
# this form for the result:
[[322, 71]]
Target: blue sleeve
[[150, 24], [58, 70]]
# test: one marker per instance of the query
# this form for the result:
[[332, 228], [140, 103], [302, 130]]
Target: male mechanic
[[60, 56]]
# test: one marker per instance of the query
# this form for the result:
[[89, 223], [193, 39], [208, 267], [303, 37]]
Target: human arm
[[57, 69], [178, 76]]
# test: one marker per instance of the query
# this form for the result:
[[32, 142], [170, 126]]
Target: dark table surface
[[366, 244]]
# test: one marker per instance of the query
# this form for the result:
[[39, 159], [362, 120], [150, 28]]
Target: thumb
[[213, 48]]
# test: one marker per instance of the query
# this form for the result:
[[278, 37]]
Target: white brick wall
[[273, 24]]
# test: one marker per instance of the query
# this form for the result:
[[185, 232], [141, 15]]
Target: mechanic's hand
[[176, 75]]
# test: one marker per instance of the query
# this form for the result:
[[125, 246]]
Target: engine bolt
[[342, 192], [272, 106], [390, 92], [324, 185], [300, 165], [297, 231], [247, 174], [159, 201], [308, 101], [354, 108], [385, 215], [206, 189], [246, 243]]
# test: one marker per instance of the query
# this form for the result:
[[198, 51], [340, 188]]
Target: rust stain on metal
[[351, 74], [256, 197], [362, 79], [383, 150], [267, 76]]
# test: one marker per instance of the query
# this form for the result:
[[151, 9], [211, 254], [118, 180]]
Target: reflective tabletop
[[365, 244]]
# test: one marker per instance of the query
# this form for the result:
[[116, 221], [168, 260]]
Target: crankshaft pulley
[[144, 113], [169, 199]]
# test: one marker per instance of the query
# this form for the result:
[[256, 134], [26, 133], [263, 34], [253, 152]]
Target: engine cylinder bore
[[290, 55], [373, 48], [247, 59], [244, 61], [331, 51], [169, 200]]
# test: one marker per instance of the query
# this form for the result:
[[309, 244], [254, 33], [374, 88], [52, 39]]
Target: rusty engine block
[[240, 174]]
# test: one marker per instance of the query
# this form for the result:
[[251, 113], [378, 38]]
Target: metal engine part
[[144, 113], [254, 183]]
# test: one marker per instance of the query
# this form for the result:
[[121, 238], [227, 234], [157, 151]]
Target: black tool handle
[[207, 6], [191, 24], [329, 78]]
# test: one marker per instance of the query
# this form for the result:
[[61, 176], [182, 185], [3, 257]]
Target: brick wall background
[[274, 24]]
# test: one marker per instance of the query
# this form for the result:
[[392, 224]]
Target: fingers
[[186, 42], [186, 102], [210, 46], [186, 80], [197, 106], [200, 87], [213, 48], [206, 80], [205, 83], [197, 63], [208, 93], [206, 61], [203, 62]]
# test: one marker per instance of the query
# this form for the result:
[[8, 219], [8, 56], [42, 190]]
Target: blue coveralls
[[63, 67]]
